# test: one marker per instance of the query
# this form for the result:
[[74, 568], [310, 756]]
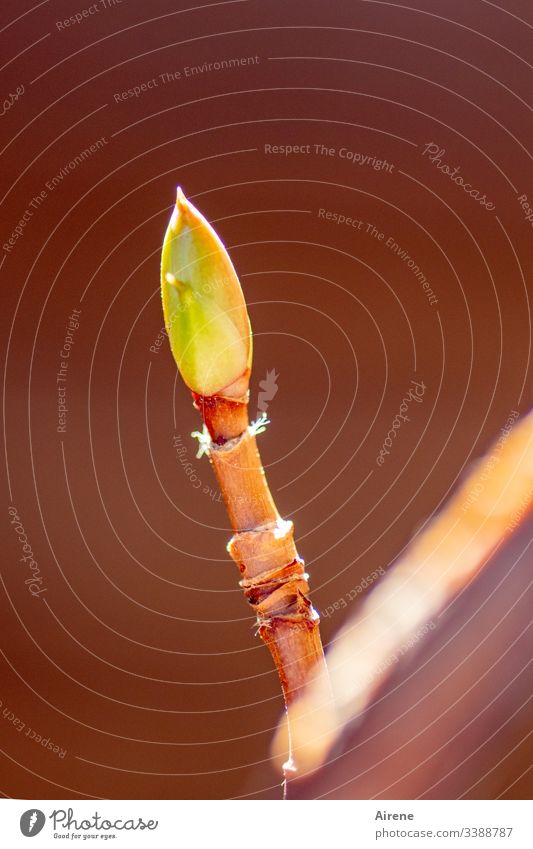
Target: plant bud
[[203, 304]]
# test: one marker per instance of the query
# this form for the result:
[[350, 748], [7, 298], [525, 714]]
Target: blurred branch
[[439, 562]]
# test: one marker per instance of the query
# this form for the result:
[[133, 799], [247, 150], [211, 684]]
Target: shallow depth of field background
[[139, 659]]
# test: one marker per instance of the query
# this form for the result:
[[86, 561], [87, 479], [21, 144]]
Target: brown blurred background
[[138, 658]]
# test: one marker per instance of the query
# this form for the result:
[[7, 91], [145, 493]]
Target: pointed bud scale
[[203, 305]]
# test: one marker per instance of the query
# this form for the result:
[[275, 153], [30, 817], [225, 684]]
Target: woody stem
[[272, 572]]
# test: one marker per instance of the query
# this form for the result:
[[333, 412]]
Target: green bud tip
[[203, 305]]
